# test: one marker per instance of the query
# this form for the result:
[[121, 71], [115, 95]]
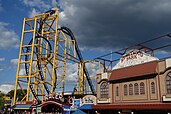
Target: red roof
[[135, 106], [134, 71]]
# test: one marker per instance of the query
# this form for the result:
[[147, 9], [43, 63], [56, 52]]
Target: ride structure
[[45, 51], [150, 47]]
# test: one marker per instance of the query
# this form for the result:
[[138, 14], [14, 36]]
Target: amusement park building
[[138, 82]]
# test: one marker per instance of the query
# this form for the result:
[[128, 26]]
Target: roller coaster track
[[38, 36], [69, 33]]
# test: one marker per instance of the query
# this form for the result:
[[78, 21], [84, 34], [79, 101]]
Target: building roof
[[86, 107], [134, 71], [22, 106], [79, 112], [135, 106]]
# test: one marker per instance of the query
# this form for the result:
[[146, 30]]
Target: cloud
[[2, 66], [8, 39], [54, 3], [112, 24], [72, 70], [5, 88], [14, 61], [37, 4], [109, 24], [33, 12], [40, 6], [22, 72], [2, 59]]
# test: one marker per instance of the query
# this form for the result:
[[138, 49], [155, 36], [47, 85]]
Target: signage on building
[[134, 57], [54, 97], [104, 76], [24, 102], [89, 99]]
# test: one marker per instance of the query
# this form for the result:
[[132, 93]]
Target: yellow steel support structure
[[80, 83], [44, 52], [81, 86]]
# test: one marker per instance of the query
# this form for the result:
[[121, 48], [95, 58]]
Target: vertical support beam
[[18, 66], [55, 54], [31, 60], [81, 78], [64, 77]]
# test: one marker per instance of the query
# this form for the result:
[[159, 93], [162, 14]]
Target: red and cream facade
[[137, 82]]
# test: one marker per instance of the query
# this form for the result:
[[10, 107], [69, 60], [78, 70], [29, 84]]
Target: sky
[[100, 26]]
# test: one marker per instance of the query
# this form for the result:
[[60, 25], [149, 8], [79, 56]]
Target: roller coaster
[[45, 51]]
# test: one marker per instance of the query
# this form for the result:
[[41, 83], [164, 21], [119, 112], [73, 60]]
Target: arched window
[[125, 90], [130, 89], [104, 88], [142, 88], [168, 83], [153, 88], [136, 89], [117, 91]]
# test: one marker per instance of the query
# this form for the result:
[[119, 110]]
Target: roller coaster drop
[[44, 52]]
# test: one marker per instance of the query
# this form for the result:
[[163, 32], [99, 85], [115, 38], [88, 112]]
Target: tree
[[20, 94], [1, 100]]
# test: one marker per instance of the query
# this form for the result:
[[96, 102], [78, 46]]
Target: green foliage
[[1, 100], [10, 93], [20, 94]]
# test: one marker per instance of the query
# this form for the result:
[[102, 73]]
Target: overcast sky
[[116, 23], [100, 26]]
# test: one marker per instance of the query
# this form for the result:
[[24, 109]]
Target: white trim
[[168, 62], [103, 101], [166, 99], [104, 76], [134, 57]]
